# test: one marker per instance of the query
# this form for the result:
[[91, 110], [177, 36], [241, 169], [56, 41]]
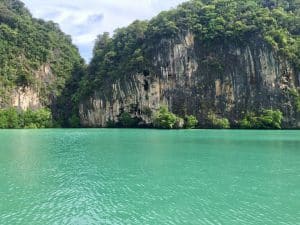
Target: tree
[[190, 122], [165, 119]]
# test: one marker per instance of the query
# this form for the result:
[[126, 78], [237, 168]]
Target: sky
[[85, 19]]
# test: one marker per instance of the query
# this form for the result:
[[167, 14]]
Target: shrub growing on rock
[[190, 122], [296, 95], [179, 124], [268, 119], [166, 120], [217, 122]]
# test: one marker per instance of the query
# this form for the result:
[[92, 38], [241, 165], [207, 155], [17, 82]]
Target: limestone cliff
[[228, 79], [31, 96]]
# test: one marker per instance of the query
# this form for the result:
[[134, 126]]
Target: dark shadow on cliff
[[65, 108]]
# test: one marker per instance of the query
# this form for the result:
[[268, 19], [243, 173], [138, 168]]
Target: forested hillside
[[36, 59]]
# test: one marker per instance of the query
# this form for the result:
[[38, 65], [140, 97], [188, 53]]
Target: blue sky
[[85, 19]]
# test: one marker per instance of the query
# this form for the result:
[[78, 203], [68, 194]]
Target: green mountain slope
[[36, 59]]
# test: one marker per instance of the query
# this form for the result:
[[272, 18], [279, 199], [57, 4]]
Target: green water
[[149, 177]]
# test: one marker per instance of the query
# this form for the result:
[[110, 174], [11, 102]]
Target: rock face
[[31, 97], [25, 98], [229, 79]]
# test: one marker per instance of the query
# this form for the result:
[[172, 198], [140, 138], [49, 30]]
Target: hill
[[37, 60], [218, 60]]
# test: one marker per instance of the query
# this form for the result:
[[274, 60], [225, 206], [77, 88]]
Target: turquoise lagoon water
[[102, 176]]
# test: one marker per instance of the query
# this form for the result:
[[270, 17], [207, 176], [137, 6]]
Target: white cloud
[[85, 19]]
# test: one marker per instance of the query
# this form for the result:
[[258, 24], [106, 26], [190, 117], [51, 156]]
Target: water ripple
[[151, 177]]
